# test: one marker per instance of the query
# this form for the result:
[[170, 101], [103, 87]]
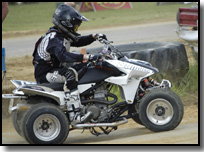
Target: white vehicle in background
[[187, 19]]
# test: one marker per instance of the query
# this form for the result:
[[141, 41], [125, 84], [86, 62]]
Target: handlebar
[[107, 49], [103, 41], [93, 63], [109, 52]]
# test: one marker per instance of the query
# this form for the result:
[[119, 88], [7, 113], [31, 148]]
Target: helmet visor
[[76, 25]]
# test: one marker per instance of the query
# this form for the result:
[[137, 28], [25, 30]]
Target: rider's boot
[[75, 108]]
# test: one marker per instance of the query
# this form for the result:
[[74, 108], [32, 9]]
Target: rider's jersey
[[53, 50]]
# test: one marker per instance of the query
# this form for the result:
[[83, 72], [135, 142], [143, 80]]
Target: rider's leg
[[70, 79], [72, 96]]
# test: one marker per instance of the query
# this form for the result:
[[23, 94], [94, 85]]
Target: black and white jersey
[[54, 47]]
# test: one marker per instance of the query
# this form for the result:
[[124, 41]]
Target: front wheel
[[161, 110], [45, 124], [134, 113]]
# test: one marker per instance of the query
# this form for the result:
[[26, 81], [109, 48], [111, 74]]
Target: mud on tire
[[161, 110]]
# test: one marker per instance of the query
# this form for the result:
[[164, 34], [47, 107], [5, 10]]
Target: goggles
[[76, 25]]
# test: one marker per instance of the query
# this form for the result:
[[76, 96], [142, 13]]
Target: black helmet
[[67, 19]]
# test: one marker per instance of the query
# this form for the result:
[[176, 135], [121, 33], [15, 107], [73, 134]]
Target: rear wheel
[[18, 116], [17, 123], [45, 124], [160, 110]]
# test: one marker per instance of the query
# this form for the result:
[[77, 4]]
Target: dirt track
[[130, 133]]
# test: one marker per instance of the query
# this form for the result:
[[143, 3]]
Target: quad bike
[[41, 114]]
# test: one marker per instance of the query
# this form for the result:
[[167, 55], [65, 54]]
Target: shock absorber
[[147, 83], [142, 91], [152, 81], [144, 85]]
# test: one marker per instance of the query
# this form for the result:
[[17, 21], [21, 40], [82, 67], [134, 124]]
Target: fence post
[[3, 64]]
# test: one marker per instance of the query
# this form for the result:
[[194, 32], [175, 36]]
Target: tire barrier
[[169, 57]]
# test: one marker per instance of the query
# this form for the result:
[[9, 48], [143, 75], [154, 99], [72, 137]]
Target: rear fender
[[57, 96], [19, 83]]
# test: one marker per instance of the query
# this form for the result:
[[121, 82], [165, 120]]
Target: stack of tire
[[169, 57]]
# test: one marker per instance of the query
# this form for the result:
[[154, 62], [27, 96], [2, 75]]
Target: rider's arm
[[84, 40], [56, 48]]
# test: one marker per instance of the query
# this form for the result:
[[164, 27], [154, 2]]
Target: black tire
[[161, 110], [135, 115], [17, 119], [17, 123], [45, 123]]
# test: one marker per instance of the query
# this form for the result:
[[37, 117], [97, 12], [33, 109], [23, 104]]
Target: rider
[[52, 52]]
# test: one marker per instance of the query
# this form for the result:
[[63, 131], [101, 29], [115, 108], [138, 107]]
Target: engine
[[99, 110], [100, 93]]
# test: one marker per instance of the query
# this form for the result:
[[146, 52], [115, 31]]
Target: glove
[[100, 36], [94, 57]]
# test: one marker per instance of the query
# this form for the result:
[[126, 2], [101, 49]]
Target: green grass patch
[[189, 83], [38, 16]]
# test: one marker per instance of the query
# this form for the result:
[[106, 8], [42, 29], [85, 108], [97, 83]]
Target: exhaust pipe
[[90, 125]]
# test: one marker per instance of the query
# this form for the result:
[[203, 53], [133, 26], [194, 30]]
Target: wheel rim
[[159, 111], [46, 127]]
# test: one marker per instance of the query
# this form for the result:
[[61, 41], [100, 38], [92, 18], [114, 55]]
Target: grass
[[34, 16], [38, 16], [189, 83]]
